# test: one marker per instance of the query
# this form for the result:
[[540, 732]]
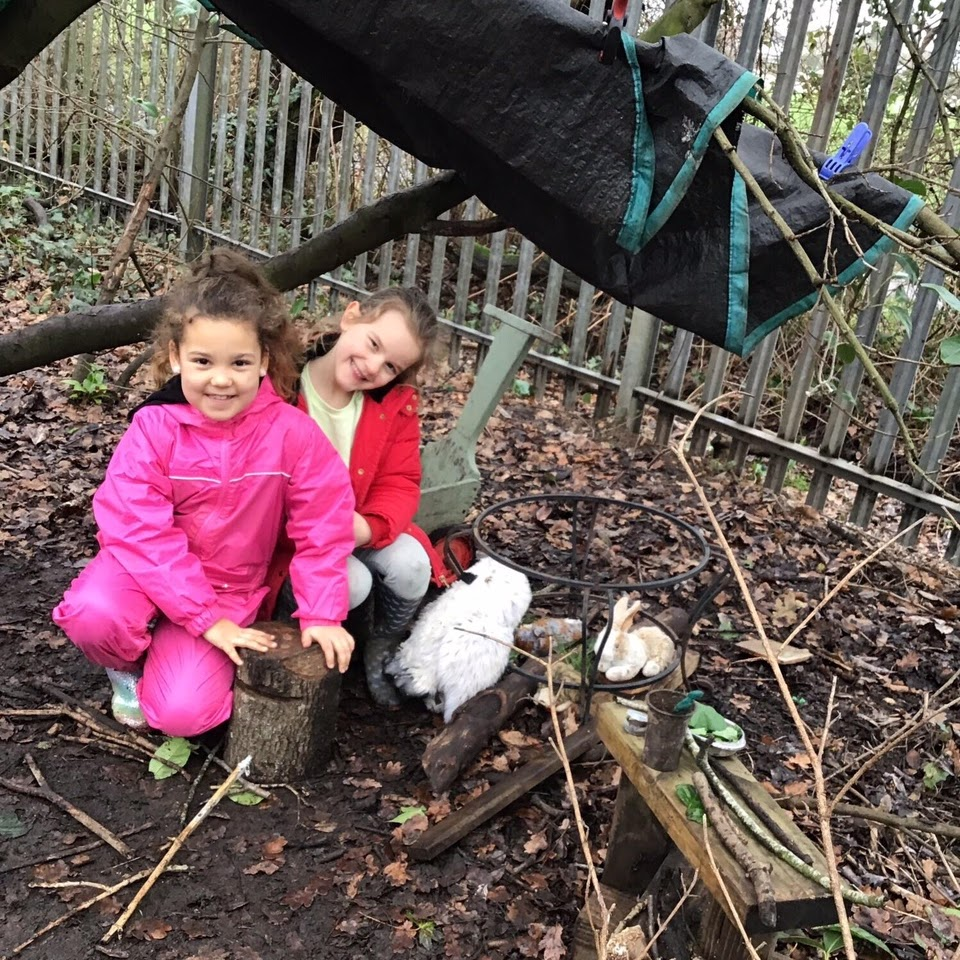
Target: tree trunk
[[26, 27], [94, 329], [284, 709], [473, 726]]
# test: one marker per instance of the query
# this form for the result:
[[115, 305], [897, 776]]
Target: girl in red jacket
[[360, 388], [192, 505]]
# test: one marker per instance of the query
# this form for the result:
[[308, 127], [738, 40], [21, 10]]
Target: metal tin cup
[[665, 729]]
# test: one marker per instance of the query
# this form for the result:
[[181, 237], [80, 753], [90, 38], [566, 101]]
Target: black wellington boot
[[390, 628]]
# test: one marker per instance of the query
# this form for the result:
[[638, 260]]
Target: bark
[[472, 727], [95, 329], [26, 27], [284, 709]]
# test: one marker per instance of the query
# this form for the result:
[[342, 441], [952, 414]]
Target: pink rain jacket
[[192, 508]]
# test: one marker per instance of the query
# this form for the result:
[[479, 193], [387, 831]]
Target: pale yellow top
[[340, 425]]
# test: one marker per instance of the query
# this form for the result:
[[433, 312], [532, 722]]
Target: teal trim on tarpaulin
[[883, 245], [738, 269], [644, 159], [681, 182]]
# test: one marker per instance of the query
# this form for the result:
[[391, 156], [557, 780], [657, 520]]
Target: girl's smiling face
[[221, 363], [370, 354]]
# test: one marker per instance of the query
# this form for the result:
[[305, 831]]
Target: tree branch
[[95, 329]]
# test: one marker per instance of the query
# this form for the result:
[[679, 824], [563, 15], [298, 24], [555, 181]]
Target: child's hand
[[362, 534], [226, 635], [335, 642]]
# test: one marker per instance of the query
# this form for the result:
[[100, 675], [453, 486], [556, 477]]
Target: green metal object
[[450, 475]]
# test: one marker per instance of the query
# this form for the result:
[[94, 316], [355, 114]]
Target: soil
[[319, 869]]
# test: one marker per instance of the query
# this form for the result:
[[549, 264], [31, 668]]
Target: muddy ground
[[319, 870]]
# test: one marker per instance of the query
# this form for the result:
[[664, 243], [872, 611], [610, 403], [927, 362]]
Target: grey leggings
[[403, 566]]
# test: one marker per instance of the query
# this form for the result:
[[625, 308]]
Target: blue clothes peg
[[848, 153], [688, 701]]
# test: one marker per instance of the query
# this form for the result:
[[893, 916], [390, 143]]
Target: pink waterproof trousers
[[187, 685]]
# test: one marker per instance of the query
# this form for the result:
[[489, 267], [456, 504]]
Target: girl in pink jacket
[[192, 505]]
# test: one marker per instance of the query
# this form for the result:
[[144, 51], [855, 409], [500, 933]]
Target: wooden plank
[[584, 945], [225, 68], [259, 147], [240, 144], [637, 370], [637, 844], [301, 160], [800, 902], [447, 832], [464, 278], [673, 383], [279, 156], [578, 342]]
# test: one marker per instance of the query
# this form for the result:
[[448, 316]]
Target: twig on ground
[[116, 888], [45, 792], [178, 842], [191, 793], [880, 816], [70, 851], [758, 871], [826, 834]]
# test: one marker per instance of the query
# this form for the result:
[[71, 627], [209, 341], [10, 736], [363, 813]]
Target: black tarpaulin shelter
[[611, 169]]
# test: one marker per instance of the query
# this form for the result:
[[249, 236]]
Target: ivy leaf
[[521, 387], [950, 351], [933, 775], [689, 797], [246, 798], [846, 354], [914, 186], [11, 826], [176, 750], [408, 813]]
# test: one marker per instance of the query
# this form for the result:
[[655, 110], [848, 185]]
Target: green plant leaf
[[950, 299], [913, 185], [845, 353], [908, 265], [11, 826], [246, 798], [521, 387], [407, 813], [176, 750], [950, 351], [688, 796], [933, 775], [833, 939]]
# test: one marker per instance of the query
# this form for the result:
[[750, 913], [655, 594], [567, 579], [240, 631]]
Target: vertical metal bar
[[638, 361], [386, 251], [116, 111], [751, 32], [14, 89], [927, 114], [464, 278], [136, 72], [324, 154], [99, 139], [259, 147], [197, 128], [793, 46], [548, 319], [904, 373], [222, 109], [240, 144], [578, 342], [834, 70], [83, 97], [611, 352], [169, 91], [26, 113], [302, 159], [149, 148], [942, 428], [279, 159], [55, 87], [366, 196], [413, 239], [344, 186], [41, 86]]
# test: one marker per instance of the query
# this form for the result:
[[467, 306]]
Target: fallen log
[[284, 709], [473, 725]]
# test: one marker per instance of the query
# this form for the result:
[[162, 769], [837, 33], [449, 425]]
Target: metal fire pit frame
[[582, 533]]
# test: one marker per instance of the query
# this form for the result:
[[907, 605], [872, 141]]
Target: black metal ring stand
[[585, 511]]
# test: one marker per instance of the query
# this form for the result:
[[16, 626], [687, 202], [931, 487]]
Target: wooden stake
[[45, 792], [218, 795]]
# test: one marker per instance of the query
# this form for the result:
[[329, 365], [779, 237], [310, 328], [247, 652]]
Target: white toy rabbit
[[629, 651], [460, 643]]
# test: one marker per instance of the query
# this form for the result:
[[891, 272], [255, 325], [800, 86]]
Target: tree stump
[[284, 709]]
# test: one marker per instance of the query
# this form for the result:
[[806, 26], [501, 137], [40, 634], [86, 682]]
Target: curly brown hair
[[415, 308], [224, 285]]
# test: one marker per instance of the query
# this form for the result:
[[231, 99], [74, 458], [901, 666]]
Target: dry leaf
[[909, 661], [514, 738], [404, 937], [273, 848], [536, 843], [264, 866], [552, 944], [51, 872], [396, 873], [149, 928]]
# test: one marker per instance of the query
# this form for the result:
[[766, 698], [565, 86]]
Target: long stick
[[45, 792], [71, 851], [201, 815], [83, 906]]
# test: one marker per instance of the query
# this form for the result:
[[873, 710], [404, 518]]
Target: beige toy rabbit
[[628, 650]]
